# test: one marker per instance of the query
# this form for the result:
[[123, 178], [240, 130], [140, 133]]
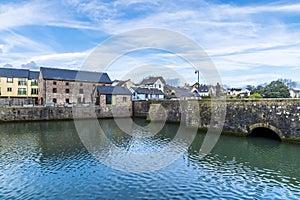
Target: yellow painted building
[[19, 84]]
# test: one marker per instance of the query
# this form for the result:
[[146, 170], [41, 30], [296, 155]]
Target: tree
[[276, 89]]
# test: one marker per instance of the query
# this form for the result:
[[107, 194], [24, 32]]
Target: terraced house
[[18, 86], [63, 86]]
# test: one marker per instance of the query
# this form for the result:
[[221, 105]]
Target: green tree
[[276, 89]]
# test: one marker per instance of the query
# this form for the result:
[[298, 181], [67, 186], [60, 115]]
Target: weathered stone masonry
[[8, 114], [242, 116], [280, 115]]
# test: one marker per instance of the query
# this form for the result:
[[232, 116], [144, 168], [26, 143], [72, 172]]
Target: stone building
[[62, 86], [113, 95], [18, 86]]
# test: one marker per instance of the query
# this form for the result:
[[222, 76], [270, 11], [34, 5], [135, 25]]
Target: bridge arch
[[265, 130]]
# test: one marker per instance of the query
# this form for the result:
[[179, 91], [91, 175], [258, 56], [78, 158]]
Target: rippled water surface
[[46, 160]]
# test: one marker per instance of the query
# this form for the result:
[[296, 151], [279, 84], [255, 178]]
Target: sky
[[249, 42]]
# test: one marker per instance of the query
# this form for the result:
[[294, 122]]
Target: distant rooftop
[[148, 91], [152, 80], [18, 73], [113, 90], [74, 75]]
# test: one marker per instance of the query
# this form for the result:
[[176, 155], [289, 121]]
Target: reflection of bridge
[[278, 118]]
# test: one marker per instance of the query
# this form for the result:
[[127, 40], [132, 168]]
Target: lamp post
[[197, 72]]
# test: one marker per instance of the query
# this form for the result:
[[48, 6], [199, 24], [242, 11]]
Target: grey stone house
[[62, 86], [113, 95], [116, 99]]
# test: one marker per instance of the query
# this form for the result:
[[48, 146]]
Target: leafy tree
[[276, 89]]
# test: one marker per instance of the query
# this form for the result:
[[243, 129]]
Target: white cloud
[[238, 38]]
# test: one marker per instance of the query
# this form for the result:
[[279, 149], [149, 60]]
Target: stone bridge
[[277, 118]]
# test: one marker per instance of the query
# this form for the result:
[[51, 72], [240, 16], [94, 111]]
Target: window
[[34, 91], [108, 99], [146, 96], [21, 91], [67, 83], [124, 99], [9, 89], [159, 85], [9, 80], [34, 82], [67, 100], [67, 91], [22, 82], [54, 83], [54, 90], [80, 91], [54, 100], [81, 84]]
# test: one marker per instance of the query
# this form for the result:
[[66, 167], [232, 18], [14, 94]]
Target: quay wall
[[282, 116], [242, 116], [9, 114]]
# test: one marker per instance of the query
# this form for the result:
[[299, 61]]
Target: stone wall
[[242, 116], [8, 114]]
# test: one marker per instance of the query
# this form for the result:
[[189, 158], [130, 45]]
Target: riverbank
[[19, 114], [243, 117]]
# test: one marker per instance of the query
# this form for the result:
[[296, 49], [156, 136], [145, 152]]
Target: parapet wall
[[8, 114], [242, 116]]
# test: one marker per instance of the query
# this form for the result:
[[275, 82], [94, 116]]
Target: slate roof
[[14, 73], [113, 90], [34, 75], [203, 88], [152, 80], [235, 89], [179, 91], [74, 75], [148, 91]]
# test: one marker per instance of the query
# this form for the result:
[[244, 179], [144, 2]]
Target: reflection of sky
[[249, 41], [42, 160]]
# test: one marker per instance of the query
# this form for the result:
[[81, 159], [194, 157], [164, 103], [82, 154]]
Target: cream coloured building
[[18, 86]]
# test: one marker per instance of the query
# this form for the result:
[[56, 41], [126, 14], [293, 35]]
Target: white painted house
[[153, 82], [146, 94], [295, 93]]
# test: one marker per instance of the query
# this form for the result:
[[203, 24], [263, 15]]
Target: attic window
[[9, 80]]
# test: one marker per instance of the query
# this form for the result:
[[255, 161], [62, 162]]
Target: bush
[[255, 96]]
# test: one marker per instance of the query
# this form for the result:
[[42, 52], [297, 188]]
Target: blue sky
[[250, 42]]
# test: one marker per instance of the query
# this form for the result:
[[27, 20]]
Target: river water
[[47, 160]]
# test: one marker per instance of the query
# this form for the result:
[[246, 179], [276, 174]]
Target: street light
[[197, 71]]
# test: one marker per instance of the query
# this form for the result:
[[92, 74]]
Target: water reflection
[[47, 159]]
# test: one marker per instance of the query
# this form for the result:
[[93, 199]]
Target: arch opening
[[265, 133]]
